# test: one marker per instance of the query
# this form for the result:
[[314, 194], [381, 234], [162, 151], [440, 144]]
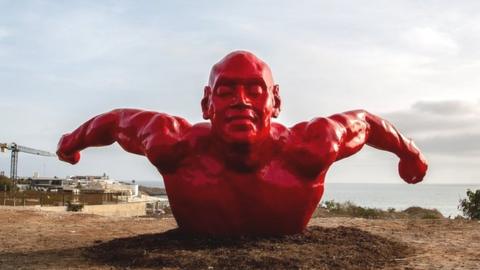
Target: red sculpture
[[241, 173]]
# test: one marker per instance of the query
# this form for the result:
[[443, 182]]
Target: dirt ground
[[33, 239]]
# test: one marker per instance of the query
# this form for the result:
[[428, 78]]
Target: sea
[[443, 197]]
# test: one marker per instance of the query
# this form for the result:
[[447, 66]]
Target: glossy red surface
[[241, 173]]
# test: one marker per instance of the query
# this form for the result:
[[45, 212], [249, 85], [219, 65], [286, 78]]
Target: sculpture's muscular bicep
[[363, 128], [354, 131], [147, 133], [150, 133], [327, 139]]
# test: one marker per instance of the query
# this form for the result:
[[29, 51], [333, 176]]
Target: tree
[[5, 183], [470, 206]]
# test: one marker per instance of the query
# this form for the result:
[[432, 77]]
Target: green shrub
[[470, 206]]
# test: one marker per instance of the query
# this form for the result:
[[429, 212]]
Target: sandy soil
[[33, 239]]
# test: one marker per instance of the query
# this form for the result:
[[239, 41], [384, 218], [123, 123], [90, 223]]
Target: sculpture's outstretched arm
[[342, 135], [139, 132]]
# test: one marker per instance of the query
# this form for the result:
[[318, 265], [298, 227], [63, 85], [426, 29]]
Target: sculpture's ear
[[277, 102], [207, 103]]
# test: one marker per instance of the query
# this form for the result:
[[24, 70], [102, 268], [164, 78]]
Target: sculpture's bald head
[[241, 64], [240, 98]]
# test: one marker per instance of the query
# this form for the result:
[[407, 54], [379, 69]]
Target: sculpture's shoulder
[[279, 132], [319, 129], [308, 149], [199, 133], [202, 129], [296, 133]]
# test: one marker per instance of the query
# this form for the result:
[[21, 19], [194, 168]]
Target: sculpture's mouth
[[242, 116], [240, 120]]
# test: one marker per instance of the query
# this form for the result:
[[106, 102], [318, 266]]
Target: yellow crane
[[15, 148]]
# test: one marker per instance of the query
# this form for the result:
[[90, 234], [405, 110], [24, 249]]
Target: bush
[[74, 207], [349, 209], [470, 206], [422, 213]]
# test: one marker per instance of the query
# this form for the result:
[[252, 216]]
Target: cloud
[[448, 127], [453, 145], [420, 124], [428, 40], [448, 108]]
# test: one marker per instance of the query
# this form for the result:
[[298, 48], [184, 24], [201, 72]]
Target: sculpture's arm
[[346, 133], [140, 132]]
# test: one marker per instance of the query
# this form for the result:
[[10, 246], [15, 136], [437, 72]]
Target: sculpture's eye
[[255, 90], [224, 90]]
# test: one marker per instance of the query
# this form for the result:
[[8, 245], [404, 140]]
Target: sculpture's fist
[[412, 169], [65, 151]]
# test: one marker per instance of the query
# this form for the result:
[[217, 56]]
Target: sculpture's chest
[[209, 176], [209, 197]]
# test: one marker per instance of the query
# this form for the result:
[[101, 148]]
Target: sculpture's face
[[241, 98], [242, 109]]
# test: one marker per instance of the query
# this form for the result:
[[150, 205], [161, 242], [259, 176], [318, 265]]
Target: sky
[[414, 63]]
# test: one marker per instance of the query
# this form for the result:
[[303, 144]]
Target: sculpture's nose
[[241, 97]]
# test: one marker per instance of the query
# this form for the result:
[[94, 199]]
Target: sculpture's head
[[241, 98]]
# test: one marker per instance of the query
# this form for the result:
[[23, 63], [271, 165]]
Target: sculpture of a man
[[241, 173]]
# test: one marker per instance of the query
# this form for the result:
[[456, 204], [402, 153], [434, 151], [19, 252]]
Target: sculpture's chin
[[240, 132]]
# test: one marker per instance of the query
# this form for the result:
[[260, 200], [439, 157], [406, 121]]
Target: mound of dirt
[[317, 247]]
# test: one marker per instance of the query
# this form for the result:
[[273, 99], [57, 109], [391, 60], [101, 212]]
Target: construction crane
[[15, 148]]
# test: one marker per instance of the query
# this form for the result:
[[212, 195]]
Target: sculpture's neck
[[245, 156]]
